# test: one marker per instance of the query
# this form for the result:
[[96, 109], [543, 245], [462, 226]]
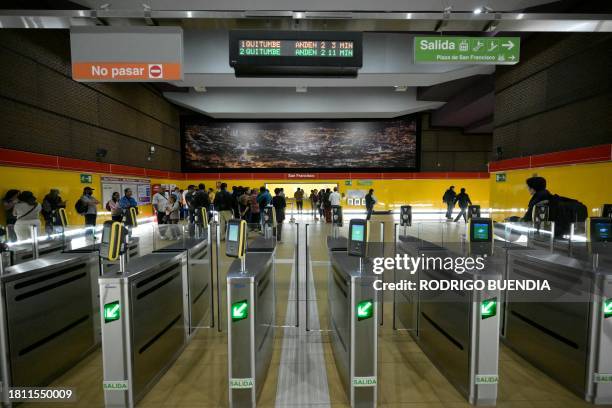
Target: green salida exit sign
[[365, 309], [488, 308], [467, 50]]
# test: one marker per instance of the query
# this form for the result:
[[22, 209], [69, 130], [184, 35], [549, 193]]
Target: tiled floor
[[407, 378]]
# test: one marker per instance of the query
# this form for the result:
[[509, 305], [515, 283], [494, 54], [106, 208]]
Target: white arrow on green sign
[[240, 310], [365, 309], [467, 50], [488, 308], [112, 312], [607, 307]]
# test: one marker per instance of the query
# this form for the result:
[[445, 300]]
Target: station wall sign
[[467, 50], [126, 54]]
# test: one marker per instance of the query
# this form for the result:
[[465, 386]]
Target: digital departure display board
[[295, 53], [296, 48]]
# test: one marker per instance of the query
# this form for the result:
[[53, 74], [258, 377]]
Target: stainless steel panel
[[23, 253], [200, 286], [49, 317], [158, 329], [554, 336], [339, 320]]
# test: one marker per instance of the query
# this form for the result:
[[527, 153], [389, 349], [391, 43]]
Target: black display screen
[[296, 48], [295, 53]]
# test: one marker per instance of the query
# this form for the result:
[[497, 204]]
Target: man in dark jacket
[[224, 203], [201, 200], [464, 201], [370, 201], [538, 191], [279, 203], [51, 203], [449, 199]]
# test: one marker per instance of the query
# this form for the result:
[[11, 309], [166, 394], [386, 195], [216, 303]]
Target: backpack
[[565, 211], [81, 206]]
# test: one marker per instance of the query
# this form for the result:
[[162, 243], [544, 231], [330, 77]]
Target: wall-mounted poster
[[300, 145], [141, 188]]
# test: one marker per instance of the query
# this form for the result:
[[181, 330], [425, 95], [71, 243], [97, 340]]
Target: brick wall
[[449, 149], [558, 97], [43, 110]]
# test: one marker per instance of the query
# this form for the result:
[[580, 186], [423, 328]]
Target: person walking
[[313, 203], [370, 202], [464, 201], [279, 203], [327, 205], [26, 212], [50, 205], [449, 199], [113, 207], [224, 204]]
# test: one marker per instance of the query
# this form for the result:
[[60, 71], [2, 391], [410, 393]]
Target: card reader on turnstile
[[473, 211], [113, 245], [599, 234], [406, 215], [235, 239], [358, 238], [480, 236], [606, 211]]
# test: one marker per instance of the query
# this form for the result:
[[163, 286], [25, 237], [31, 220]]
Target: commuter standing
[[201, 200], [224, 204], [50, 205], [464, 201], [8, 202], [263, 200], [327, 205], [299, 200], [313, 203], [113, 207], [127, 202], [370, 202], [172, 215], [538, 191], [334, 198], [254, 208], [160, 202], [449, 199], [26, 212], [244, 205], [279, 203], [91, 204], [189, 197]]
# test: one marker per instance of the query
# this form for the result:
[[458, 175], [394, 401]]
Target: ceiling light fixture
[[400, 88]]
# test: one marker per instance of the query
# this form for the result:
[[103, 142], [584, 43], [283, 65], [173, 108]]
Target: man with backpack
[[50, 205], [370, 201], [562, 211], [87, 207], [449, 199]]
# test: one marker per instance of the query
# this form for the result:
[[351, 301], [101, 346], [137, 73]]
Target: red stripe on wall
[[19, 158], [593, 154]]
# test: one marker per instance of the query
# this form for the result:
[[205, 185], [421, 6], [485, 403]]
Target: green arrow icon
[[365, 309], [607, 308], [112, 312], [488, 308], [240, 310]]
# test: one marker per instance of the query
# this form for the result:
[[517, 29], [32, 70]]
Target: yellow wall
[[39, 181], [585, 182], [588, 183]]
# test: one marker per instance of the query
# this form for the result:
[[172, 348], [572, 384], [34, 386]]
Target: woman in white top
[[26, 211]]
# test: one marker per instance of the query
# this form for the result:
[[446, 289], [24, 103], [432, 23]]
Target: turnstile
[[199, 277], [455, 328], [262, 244], [565, 332], [250, 326], [48, 316], [144, 315], [353, 308], [133, 251], [22, 253]]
